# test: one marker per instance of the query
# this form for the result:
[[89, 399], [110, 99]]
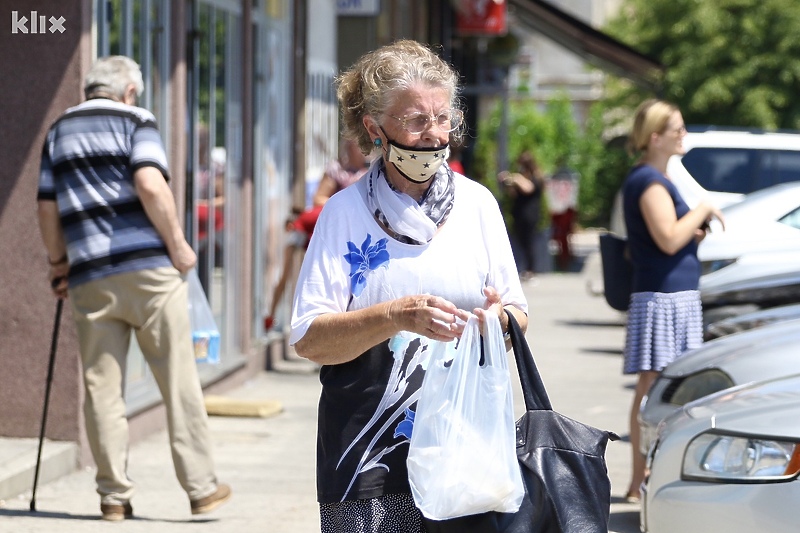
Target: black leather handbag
[[617, 271], [567, 489]]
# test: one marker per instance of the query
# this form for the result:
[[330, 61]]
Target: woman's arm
[[518, 182], [327, 187], [670, 233], [335, 338]]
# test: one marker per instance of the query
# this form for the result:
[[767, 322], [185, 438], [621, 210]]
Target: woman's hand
[[494, 305], [431, 316], [716, 213]]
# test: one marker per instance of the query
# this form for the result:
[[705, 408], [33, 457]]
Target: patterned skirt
[[390, 513], [661, 326]]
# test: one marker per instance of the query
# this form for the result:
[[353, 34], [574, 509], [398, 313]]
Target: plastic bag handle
[[533, 390]]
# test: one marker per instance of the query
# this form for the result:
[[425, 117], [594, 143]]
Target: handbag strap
[[533, 390]]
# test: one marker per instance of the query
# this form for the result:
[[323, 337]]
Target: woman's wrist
[[506, 329]]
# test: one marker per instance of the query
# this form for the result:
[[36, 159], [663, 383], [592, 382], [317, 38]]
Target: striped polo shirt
[[88, 161]]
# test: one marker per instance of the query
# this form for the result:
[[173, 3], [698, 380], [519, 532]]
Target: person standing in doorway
[[665, 317], [116, 248]]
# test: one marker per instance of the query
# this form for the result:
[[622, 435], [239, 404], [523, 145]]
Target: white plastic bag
[[205, 334], [462, 458]]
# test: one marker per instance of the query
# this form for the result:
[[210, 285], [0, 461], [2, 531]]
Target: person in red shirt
[[341, 173]]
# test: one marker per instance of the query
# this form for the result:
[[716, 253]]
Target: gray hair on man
[[111, 76]]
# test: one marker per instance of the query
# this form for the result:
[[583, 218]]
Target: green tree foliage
[[728, 62], [603, 167], [554, 138]]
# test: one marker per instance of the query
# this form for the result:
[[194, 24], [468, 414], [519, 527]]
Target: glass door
[[214, 178]]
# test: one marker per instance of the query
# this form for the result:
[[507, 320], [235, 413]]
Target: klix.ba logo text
[[38, 23]]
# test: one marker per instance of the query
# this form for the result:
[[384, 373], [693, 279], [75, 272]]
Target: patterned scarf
[[408, 221]]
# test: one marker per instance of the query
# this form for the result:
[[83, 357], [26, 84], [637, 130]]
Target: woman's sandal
[[633, 497]]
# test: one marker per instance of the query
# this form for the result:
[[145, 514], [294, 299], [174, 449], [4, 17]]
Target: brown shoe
[[116, 513], [209, 503]]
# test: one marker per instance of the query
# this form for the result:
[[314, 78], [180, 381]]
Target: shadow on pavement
[[603, 351], [592, 323], [96, 517], [624, 521], [46, 514]]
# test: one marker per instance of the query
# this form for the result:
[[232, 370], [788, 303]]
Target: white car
[[726, 164], [764, 353], [764, 221], [728, 462]]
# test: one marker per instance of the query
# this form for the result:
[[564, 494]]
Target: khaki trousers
[[153, 304]]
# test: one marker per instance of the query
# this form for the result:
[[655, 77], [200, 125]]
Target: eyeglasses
[[416, 123], [680, 130]]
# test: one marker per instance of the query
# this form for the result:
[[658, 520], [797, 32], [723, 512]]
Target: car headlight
[[721, 458], [707, 267], [684, 390]]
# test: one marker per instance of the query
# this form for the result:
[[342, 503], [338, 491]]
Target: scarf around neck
[[408, 221]]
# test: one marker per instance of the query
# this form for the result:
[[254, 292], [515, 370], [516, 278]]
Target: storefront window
[[272, 140], [214, 187]]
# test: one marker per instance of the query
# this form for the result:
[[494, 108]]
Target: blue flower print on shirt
[[406, 426], [369, 257]]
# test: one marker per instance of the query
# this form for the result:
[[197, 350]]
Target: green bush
[[554, 137]]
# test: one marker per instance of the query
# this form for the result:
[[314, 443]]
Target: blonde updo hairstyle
[[370, 85], [652, 116]]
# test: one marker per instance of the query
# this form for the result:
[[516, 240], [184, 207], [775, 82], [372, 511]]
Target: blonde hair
[[371, 84], [651, 117]]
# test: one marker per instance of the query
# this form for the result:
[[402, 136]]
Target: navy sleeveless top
[[653, 270]]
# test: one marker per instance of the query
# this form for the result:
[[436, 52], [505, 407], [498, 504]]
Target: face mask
[[417, 165]]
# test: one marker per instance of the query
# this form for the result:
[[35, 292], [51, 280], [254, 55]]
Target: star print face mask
[[417, 164]]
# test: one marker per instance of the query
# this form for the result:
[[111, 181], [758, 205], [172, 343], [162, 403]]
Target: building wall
[[40, 76]]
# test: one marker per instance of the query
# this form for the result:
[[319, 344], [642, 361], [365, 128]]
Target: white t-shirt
[[471, 251]]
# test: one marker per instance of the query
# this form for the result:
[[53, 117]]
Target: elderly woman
[[397, 260], [665, 316]]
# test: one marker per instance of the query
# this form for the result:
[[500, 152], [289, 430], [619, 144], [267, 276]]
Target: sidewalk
[[269, 462]]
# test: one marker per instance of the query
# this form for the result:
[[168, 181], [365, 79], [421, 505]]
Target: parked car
[[751, 320], [763, 280], [756, 355], [729, 163], [764, 221], [728, 462]]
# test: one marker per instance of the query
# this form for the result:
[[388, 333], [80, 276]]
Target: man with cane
[[116, 249]]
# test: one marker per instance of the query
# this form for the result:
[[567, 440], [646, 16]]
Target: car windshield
[[741, 170]]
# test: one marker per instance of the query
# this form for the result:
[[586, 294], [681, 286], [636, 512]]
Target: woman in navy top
[[665, 317]]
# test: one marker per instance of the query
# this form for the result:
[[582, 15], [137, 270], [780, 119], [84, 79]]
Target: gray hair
[[112, 75], [371, 84]]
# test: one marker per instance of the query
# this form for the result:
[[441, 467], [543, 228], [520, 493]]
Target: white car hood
[[747, 236]]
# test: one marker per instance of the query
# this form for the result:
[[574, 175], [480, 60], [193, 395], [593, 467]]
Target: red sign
[[481, 17]]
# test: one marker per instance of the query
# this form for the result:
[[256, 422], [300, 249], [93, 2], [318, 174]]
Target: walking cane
[[53, 346]]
